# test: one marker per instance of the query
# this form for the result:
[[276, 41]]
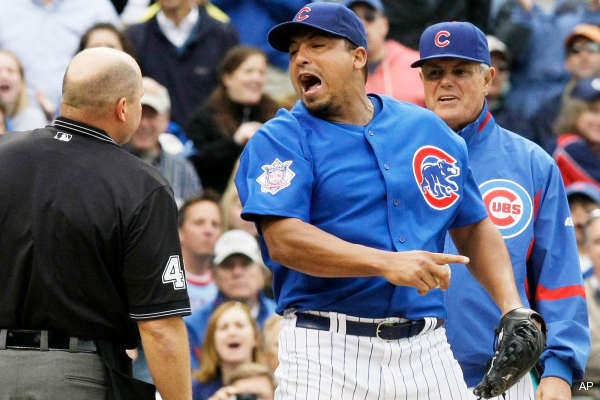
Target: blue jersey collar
[[481, 126]]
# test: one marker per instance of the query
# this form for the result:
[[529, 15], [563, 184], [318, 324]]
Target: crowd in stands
[[211, 80]]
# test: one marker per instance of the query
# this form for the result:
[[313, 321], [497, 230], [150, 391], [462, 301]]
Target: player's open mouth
[[310, 83], [234, 345], [5, 87]]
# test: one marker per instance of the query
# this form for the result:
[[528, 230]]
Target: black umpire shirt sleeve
[[153, 267]]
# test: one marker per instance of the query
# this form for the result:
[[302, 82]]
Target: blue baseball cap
[[453, 40], [587, 89], [376, 4], [331, 18], [584, 188]]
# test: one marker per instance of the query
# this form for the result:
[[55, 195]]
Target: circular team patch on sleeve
[[508, 205], [435, 172]]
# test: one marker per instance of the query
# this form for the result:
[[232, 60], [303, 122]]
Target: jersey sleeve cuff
[[556, 367], [179, 308]]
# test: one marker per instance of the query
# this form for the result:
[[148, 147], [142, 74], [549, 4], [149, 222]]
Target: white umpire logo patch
[[276, 176]]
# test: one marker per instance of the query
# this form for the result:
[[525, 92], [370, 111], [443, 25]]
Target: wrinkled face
[[376, 26], [583, 58], [259, 385], [239, 278], [501, 76], [152, 124], [588, 123], [245, 84], [320, 67], [201, 228], [104, 38], [234, 337], [455, 89], [11, 81]]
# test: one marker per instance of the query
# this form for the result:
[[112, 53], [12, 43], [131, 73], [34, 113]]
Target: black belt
[[383, 330], [25, 339]]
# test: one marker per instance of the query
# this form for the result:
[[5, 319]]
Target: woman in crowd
[[22, 110], [234, 111], [232, 339], [578, 124], [104, 34]]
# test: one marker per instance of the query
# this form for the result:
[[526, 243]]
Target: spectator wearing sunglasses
[[388, 61], [582, 61]]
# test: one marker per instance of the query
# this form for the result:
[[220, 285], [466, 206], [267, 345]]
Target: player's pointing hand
[[421, 269]]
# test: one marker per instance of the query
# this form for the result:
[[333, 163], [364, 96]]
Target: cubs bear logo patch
[[276, 176], [435, 172], [508, 204]]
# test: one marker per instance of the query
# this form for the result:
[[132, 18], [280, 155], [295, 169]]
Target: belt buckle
[[384, 323]]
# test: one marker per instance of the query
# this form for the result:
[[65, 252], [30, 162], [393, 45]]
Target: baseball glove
[[519, 345]]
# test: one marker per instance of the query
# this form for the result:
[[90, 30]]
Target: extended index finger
[[444, 258]]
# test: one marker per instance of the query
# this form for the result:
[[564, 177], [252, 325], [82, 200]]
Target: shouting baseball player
[[524, 195], [353, 196]]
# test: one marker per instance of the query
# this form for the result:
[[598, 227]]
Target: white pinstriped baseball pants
[[330, 365]]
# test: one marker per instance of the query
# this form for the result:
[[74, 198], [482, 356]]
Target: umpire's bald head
[[103, 87]]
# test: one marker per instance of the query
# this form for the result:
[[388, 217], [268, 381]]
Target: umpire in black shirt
[[89, 250]]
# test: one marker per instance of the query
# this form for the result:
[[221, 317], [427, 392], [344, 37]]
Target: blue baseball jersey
[[397, 183], [525, 198]]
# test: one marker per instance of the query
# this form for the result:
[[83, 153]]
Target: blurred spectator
[[239, 275], [388, 61], [254, 19], [271, 330], [232, 339], [145, 143], [104, 34], [199, 229], [134, 11], [592, 290], [578, 148], [408, 18], [20, 107], [583, 198], [535, 32], [250, 379], [180, 47], [44, 35], [582, 61], [232, 208], [234, 111]]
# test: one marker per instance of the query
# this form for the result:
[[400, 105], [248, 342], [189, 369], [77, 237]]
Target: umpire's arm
[[490, 263], [167, 350]]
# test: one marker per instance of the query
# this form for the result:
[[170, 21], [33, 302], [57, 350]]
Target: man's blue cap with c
[[331, 18], [453, 40]]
